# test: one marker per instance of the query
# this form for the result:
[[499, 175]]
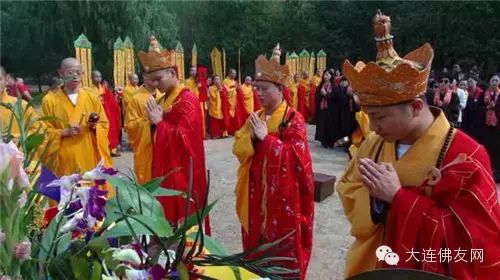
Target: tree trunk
[[39, 80]]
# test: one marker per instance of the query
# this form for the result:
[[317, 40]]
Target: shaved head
[[70, 71], [133, 79], [69, 62], [96, 77]]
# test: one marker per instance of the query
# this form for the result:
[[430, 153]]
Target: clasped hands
[[154, 111], [381, 179], [258, 126]]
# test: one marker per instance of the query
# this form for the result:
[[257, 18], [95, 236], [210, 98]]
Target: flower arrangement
[[83, 234]]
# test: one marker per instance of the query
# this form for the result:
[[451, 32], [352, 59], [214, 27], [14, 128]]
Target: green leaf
[[48, 236], [210, 244], [80, 266], [61, 267], [192, 220], [154, 184], [130, 197], [168, 192], [98, 244], [181, 269], [63, 243], [96, 271], [139, 223]]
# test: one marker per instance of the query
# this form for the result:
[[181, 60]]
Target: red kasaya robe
[[178, 139], [462, 214], [286, 96], [240, 113], [301, 100], [312, 103], [256, 102], [218, 112], [274, 191], [112, 111]]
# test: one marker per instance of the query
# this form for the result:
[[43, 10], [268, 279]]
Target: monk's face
[[494, 81], [96, 78], [296, 78], [248, 81], [134, 79], [164, 80], [71, 75], [269, 94], [192, 72], [217, 81], [395, 122]]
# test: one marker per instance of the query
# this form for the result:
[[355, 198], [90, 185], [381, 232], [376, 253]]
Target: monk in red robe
[[111, 109], [177, 142], [274, 189], [236, 102], [218, 109], [417, 185]]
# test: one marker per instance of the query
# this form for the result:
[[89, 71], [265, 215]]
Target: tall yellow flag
[[83, 53]]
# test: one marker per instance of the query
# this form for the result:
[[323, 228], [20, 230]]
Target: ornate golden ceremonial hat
[[390, 79], [155, 59], [271, 70]]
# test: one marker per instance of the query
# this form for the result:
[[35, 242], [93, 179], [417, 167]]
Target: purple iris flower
[[96, 203]]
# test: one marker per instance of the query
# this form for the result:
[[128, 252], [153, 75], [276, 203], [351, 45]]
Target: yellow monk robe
[[411, 168], [360, 133], [166, 102], [316, 80], [293, 87], [79, 153], [231, 95], [128, 92], [192, 85], [248, 97], [5, 115], [138, 130], [305, 83]]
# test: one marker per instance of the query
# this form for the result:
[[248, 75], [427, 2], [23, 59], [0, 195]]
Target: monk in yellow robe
[[6, 114], [194, 86], [416, 185], [316, 79], [293, 88], [79, 129], [248, 95], [235, 102], [129, 91], [139, 132]]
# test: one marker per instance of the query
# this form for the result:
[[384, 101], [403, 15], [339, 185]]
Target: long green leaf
[[159, 224]]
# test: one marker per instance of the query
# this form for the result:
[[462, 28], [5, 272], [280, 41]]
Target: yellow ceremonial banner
[[304, 61], [312, 61], [179, 60], [321, 60], [119, 75], [83, 53], [194, 56], [128, 48], [216, 61]]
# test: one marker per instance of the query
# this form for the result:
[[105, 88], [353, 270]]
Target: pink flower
[[11, 161], [22, 250]]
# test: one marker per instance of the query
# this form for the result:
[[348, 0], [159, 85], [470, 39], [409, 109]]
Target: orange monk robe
[[302, 98], [139, 134], [218, 112], [194, 87], [178, 139], [112, 111], [316, 80], [248, 97], [79, 153], [459, 212], [29, 115], [274, 189], [128, 92], [293, 94]]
